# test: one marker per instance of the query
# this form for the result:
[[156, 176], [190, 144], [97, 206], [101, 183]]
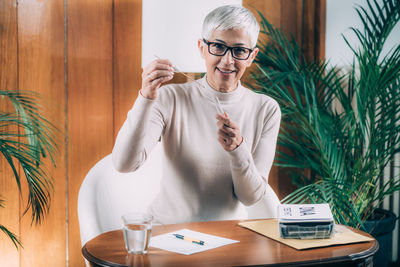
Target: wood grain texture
[[290, 18], [253, 250], [127, 57], [90, 100], [314, 39], [271, 10], [41, 69], [9, 215], [305, 21], [291, 24], [320, 23]]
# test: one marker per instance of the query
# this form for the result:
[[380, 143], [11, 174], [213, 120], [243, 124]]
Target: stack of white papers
[[169, 242], [305, 221], [305, 213]]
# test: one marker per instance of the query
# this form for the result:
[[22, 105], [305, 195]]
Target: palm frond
[[339, 129], [11, 235], [26, 139]]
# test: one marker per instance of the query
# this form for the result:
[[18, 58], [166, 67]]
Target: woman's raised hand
[[154, 74], [228, 132]]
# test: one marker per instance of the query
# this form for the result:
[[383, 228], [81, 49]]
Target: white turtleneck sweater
[[201, 181]]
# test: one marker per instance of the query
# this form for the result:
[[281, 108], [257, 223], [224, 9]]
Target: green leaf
[[26, 139], [339, 128]]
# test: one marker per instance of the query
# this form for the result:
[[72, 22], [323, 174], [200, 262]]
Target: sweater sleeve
[[250, 170], [138, 135]]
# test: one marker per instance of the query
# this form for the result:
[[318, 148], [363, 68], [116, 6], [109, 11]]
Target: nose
[[227, 58]]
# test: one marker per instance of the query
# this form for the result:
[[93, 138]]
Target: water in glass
[[137, 237]]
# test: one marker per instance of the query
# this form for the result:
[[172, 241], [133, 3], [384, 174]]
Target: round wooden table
[[254, 249]]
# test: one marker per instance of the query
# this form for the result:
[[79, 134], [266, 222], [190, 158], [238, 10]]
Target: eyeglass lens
[[220, 50]]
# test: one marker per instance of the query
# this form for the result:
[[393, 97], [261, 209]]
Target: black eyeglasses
[[218, 49]]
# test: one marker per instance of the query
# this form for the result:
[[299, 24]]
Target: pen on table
[[196, 241]]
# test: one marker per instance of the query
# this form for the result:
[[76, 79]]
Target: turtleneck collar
[[232, 96]]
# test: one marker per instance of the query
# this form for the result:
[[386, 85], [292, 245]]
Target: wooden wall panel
[[320, 15], [41, 69], [9, 216], [290, 23], [314, 29], [271, 10], [305, 21], [127, 57], [290, 19], [90, 100]]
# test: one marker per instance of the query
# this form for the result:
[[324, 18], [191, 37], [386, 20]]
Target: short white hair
[[231, 17]]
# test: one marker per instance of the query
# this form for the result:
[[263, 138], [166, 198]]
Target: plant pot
[[381, 227]]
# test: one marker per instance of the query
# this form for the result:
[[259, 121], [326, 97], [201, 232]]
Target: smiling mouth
[[225, 71]]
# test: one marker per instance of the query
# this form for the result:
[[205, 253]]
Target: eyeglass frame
[[228, 48]]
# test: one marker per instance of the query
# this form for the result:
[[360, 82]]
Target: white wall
[[340, 15], [171, 30]]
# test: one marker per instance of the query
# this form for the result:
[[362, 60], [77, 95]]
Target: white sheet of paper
[[169, 242]]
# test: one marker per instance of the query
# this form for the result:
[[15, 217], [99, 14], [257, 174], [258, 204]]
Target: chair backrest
[[266, 208], [105, 195]]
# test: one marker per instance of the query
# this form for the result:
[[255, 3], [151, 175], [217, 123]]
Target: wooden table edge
[[341, 259], [348, 259], [97, 261]]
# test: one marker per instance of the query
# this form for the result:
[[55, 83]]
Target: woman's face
[[224, 72]]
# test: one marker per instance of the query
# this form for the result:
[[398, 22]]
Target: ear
[[252, 56], [200, 45]]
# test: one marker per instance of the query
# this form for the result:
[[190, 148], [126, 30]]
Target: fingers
[[227, 126], [157, 74], [224, 119], [225, 135], [158, 64], [154, 74], [227, 144], [228, 132]]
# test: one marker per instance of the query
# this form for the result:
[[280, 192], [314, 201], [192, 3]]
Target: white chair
[[106, 194], [266, 208]]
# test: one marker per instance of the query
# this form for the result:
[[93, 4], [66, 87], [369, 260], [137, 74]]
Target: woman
[[213, 160]]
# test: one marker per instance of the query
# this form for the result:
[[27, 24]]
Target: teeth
[[229, 71]]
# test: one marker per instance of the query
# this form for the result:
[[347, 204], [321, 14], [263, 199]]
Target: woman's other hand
[[154, 74], [228, 132]]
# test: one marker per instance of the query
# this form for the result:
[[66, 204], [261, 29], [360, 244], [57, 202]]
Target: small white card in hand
[[218, 106], [171, 243]]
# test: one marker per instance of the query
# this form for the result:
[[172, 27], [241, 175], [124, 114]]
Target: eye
[[218, 46], [240, 50]]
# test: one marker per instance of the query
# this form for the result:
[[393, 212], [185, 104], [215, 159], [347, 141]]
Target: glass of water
[[137, 232]]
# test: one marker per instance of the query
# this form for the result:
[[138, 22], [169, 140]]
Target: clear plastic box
[[306, 230]]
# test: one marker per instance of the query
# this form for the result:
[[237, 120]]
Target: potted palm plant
[[340, 127], [26, 139]]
